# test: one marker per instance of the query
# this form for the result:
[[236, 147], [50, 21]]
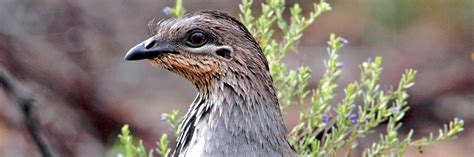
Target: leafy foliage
[[340, 125], [130, 148]]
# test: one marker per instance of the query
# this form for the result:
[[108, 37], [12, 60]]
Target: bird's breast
[[212, 138]]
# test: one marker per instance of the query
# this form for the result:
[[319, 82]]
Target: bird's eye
[[196, 39]]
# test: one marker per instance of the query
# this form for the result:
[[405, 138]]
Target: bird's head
[[202, 47]]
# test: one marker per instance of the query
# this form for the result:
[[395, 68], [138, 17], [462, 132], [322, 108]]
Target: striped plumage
[[236, 111]]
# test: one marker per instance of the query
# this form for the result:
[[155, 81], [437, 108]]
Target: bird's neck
[[244, 114]]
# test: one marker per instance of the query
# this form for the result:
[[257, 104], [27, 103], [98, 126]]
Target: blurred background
[[69, 53]]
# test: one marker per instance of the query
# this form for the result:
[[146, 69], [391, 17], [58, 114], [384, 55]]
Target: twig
[[13, 88]]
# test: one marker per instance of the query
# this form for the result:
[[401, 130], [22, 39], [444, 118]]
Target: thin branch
[[14, 89]]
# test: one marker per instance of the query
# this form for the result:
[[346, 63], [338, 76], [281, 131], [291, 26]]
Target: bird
[[236, 110]]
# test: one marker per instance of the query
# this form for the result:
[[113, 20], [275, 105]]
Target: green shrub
[[349, 122]]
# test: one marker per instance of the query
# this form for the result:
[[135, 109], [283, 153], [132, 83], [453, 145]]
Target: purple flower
[[339, 65], [457, 120], [353, 118], [163, 117], [325, 118], [343, 40], [394, 110], [369, 60], [167, 10]]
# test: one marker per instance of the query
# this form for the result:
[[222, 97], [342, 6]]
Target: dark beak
[[148, 49]]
